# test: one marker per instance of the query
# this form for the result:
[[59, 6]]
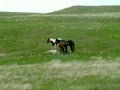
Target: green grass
[[98, 74], [89, 9], [24, 36], [24, 63]]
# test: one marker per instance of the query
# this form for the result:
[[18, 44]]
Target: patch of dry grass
[[55, 75]]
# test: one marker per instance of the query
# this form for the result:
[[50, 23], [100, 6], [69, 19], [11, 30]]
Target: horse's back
[[71, 41], [68, 42]]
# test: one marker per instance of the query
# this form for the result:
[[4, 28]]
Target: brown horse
[[63, 45]]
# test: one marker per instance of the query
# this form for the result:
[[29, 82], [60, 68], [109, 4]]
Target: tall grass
[[98, 74]]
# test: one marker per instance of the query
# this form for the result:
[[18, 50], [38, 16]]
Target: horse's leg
[[71, 48], [63, 50], [66, 49], [55, 46], [55, 49], [60, 49]]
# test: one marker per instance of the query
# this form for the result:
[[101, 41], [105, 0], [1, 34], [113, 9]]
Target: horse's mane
[[54, 41]]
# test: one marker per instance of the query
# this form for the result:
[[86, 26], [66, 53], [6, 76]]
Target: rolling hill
[[89, 9]]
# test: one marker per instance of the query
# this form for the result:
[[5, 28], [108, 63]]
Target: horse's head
[[52, 41], [58, 40], [48, 40]]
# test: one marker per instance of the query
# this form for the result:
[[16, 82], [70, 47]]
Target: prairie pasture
[[25, 65]]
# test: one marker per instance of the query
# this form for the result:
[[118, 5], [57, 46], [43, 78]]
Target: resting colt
[[63, 45]]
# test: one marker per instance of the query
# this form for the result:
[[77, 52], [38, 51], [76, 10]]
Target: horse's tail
[[72, 45]]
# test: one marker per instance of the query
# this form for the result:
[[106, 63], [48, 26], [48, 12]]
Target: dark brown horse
[[63, 45]]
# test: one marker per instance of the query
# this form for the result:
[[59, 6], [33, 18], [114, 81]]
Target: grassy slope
[[89, 9], [23, 41]]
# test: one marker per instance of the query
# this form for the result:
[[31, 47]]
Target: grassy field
[[25, 65], [98, 74]]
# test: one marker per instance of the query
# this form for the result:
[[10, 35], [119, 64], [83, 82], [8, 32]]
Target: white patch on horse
[[53, 41]]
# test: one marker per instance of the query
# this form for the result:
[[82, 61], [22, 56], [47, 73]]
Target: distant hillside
[[89, 9]]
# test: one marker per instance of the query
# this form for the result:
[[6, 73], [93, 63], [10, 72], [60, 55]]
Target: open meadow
[[25, 65]]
